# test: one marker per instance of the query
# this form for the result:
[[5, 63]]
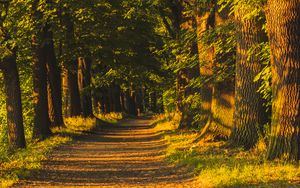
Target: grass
[[166, 122], [217, 166], [20, 163]]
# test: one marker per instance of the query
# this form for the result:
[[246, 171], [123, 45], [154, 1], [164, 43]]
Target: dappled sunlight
[[130, 153], [220, 166]]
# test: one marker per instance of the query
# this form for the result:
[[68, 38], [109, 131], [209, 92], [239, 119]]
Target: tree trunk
[[146, 99], [105, 101], [41, 128], [123, 102], [185, 25], [187, 76], [97, 101], [153, 102], [13, 102], [116, 94], [139, 101], [73, 90], [110, 99], [71, 65], [54, 80], [84, 82], [205, 20], [222, 109], [283, 20], [130, 103], [250, 114], [66, 95]]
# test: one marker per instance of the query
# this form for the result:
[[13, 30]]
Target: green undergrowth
[[216, 165], [22, 162]]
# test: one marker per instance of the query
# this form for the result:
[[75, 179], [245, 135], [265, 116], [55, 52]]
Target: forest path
[[130, 154]]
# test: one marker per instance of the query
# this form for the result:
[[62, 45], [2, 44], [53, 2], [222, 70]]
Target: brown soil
[[130, 154]]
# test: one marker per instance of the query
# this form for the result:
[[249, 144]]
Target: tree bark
[[187, 73], [54, 80], [13, 102], [73, 90], [283, 20], [97, 100], [123, 102], [41, 128], [130, 103], [153, 102], [84, 83], [222, 109], [205, 20], [250, 114], [66, 95], [139, 101], [116, 94]]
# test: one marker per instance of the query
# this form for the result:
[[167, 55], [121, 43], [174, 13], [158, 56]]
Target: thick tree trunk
[[73, 90], [250, 114], [283, 20], [54, 80], [110, 99], [84, 82], [153, 102], [187, 75], [222, 108], [105, 101], [130, 103], [205, 21], [41, 128], [116, 94], [13, 102], [188, 72], [71, 66]]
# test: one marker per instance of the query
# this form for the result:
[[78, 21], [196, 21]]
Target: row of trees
[[84, 56], [231, 68], [236, 70]]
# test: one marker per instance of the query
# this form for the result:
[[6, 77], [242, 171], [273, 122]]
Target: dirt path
[[127, 155]]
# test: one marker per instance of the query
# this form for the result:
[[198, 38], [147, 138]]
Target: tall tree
[[283, 20], [54, 80], [8, 66], [250, 114], [205, 20], [71, 65], [217, 52], [84, 84], [41, 129]]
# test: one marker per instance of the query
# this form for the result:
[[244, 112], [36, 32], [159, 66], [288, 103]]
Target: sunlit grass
[[19, 164], [166, 122], [216, 165], [111, 117]]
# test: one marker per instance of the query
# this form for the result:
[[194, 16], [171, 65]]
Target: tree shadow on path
[[130, 154]]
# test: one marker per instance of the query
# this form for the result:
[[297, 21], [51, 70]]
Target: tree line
[[229, 68], [237, 70], [79, 56]]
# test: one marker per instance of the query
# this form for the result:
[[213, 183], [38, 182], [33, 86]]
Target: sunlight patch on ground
[[18, 164], [217, 166]]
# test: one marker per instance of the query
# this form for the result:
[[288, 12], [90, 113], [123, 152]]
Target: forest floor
[[128, 154]]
